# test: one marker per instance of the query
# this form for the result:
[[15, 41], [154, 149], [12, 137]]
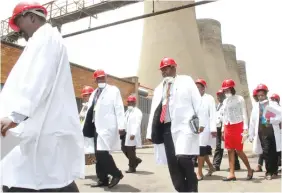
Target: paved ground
[[153, 178]]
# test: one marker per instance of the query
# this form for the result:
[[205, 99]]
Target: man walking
[[104, 122], [175, 101], [132, 137], [38, 104]]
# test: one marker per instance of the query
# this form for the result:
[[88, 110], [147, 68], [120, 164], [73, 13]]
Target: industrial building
[[171, 29]]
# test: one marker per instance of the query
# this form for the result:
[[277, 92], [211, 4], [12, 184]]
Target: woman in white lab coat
[[235, 127], [89, 148], [206, 138], [276, 98], [265, 132]]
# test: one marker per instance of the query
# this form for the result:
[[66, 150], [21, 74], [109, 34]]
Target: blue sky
[[251, 25]]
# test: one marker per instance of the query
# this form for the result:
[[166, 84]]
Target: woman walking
[[235, 128], [265, 131]]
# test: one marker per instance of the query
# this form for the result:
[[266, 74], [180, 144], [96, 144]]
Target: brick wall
[[81, 75]]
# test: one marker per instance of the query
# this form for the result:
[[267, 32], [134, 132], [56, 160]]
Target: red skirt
[[233, 136]]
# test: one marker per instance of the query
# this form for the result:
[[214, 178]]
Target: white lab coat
[[209, 112], [109, 118], [50, 152], [133, 120], [254, 126], [185, 96], [219, 119]]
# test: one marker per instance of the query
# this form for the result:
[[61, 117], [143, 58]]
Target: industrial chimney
[[214, 62], [229, 51], [244, 82], [172, 35]]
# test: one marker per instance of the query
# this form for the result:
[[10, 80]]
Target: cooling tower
[[214, 62], [172, 35], [244, 83], [229, 51]]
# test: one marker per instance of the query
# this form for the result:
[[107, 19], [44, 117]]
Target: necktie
[[164, 107], [95, 102]]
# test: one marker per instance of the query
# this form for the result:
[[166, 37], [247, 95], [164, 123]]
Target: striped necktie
[[164, 107]]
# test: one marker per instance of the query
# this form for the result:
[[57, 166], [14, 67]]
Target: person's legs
[[176, 175], [260, 164], [237, 162], [201, 160], [211, 168], [187, 168], [245, 160], [131, 152], [231, 158], [218, 153]]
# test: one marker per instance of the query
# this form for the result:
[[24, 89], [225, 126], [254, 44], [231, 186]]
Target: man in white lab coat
[[176, 99], [49, 156], [132, 138], [105, 122], [207, 137]]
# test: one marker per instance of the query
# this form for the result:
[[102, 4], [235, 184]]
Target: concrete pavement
[[154, 178]]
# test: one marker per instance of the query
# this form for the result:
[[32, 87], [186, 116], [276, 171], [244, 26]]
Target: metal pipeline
[[138, 17]]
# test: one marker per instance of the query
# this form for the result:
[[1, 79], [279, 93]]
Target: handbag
[[194, 122]]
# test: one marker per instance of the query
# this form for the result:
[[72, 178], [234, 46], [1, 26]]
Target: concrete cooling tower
[[172, 35], [244, 82], [214, 62], [229, 51]]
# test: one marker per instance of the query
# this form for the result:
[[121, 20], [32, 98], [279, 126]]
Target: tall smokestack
[[229, 51], [244, 82], [210, 37], [172, 35]]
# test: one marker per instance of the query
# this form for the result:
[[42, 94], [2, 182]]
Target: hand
[[222, 136], [121, 131], [201, 129], [6, 124], [149, 140], [213, 134], [132, 137], [245, 132]]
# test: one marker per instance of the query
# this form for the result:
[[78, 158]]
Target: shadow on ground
[[122, 188]]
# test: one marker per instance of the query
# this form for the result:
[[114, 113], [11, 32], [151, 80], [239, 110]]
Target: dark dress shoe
[[217, 168], [249, 177], [115, 181], [100, 184], [229, 179], [131, 170]]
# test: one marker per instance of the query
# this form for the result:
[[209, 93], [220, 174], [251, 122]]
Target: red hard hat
[[131, 99], [21, 8], [201, 81], [99, 73], [220, 91], [275, 97], [255, 92], [229, 83], [87, 90], [262, 87], [167, 62]]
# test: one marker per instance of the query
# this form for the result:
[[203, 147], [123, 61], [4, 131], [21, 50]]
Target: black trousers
[[260, 160], [181, 168], [130, 153], [268, 144], [218, 153], [70, 188], [105, 164]]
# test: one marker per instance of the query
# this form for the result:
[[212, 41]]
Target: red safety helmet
[[275, 97], [220, 91], [255, 92], [131, 99], [167, 62], [262, 87], [229, 83], [99, 73], [23, 8], [201, 81], [86, 90]]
